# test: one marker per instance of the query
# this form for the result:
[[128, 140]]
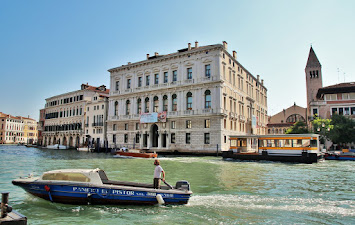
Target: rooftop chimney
[[235, 55], [196, 44], [129, 63], [225, 45], [262, 82], [147, 56], [156, 53], [189, 46], [258, 77]]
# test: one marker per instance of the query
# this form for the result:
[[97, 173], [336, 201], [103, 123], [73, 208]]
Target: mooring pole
[[4, 202]]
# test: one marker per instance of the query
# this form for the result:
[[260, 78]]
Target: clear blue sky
[[52, 47]]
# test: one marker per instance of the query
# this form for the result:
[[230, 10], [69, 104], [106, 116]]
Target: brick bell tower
[[313, 72]]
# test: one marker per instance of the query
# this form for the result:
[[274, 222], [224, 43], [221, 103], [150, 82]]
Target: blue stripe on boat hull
[[72, 194]]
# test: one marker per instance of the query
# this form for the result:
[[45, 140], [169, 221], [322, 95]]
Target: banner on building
[[153, 117], [253, 122]]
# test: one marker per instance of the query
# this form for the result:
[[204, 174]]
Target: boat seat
[[132, 184]]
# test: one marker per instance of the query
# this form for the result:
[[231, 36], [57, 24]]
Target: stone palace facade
[[190, 100]]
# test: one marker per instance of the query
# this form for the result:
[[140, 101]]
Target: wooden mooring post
[[9, 216]]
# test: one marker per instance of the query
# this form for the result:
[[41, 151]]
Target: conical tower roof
[[312, 59]]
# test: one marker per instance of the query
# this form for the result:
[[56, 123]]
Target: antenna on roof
[[338, 76]]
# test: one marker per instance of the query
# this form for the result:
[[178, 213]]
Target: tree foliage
[[322, 127], [343, 130], [298, 128]]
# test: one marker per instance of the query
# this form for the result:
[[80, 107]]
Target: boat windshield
[[66, 177]]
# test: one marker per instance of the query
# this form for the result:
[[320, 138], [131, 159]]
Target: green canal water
[[225, 192]]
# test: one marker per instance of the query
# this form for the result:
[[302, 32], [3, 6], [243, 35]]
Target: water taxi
[[133, 153], [91, 186], [302, 148]]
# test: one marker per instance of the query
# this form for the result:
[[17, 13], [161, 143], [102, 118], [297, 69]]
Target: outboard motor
[[183, 185]]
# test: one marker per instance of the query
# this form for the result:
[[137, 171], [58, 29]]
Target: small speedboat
[[57, 146], [91, 186], [345, 154], [133, 153], [83, 149]]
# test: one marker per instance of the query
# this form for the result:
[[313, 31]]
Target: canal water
[[225, 192]]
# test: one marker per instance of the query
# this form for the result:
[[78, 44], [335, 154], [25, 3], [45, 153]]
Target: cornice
[[167, 57]]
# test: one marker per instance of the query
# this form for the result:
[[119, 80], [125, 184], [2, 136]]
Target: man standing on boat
[[157, 174]]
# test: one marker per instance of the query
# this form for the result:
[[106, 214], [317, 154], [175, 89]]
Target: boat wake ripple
[[249, 202]]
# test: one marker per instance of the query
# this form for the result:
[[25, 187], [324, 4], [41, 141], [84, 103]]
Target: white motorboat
[[57, 146]]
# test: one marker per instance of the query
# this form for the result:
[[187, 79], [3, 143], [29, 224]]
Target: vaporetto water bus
[[91, 186], [303, 148]]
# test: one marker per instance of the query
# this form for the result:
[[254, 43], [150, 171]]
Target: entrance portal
[[155, 135]]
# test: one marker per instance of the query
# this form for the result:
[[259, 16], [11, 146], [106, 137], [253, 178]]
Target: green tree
[[343, 130], [322, 127], [298, 128]]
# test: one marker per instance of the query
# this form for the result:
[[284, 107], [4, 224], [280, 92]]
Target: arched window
[[165, 103], [295, 118], [146, 105], [116, 109], [174, 102], [189, 101], [139, 106], [155, 104], [207, 99], [128, 106], [268, 131]]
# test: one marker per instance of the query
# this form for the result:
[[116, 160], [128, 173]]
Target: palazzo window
[[172, 138], [116, 108], [189, 101], [207, 99], [126, 138], [117, 85], [146, 105], [208, 70], [174, 75], [128, 106], [188, 138], [207, 123], [189, 73], [174, 103], [128, 83], [147, 80], [139, 81], [207, 138], [188, 124], [156, 79], [165, 103], [155, 104], [165, 77], [139, 106]]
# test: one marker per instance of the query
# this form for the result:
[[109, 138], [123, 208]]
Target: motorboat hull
[[138, 155], [106, 194], [56, 146], [339, 157]]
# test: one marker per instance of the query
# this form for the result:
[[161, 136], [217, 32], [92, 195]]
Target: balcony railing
[[100, 124], [188, 112], [207, 110]]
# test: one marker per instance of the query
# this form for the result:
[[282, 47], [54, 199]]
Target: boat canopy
[[94, 176]]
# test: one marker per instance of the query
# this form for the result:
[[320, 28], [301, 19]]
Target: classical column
[[160, 134], [169, 102]]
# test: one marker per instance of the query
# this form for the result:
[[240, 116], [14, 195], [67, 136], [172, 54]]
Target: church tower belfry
[[313, 72]]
